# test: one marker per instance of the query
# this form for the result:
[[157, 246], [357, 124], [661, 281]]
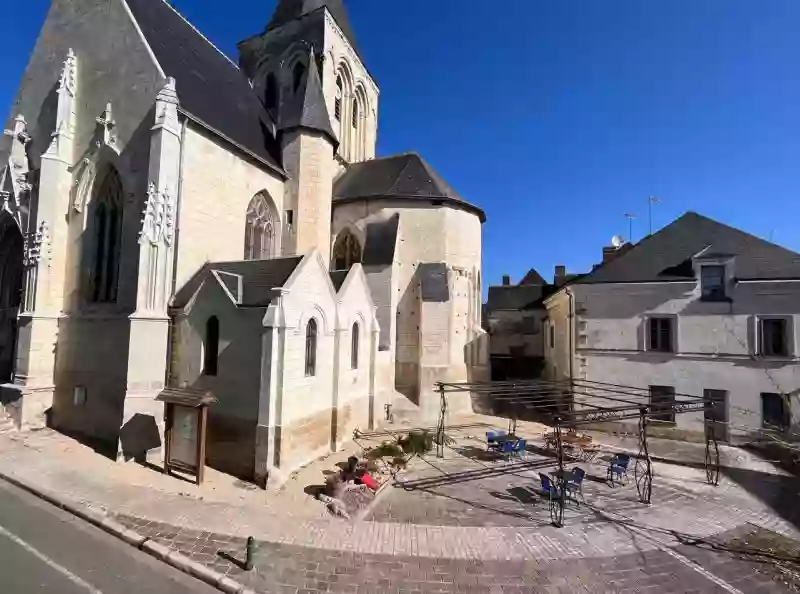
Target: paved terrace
[[462, 523]]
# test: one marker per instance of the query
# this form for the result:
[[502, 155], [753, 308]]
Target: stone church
[[173, 218]]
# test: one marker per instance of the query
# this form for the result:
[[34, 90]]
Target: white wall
[[217, 187], [339, 55], [715, 343]]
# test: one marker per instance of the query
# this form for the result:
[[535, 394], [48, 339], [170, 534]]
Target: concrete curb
[[143, 543]]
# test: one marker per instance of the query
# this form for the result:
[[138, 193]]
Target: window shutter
[[753, 338]]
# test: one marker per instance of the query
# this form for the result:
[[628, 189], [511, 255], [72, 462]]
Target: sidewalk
[[135, 494]]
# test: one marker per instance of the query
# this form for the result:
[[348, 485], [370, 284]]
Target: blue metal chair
[[507, 448], [574, 484], [521, 447], [618, 467], [492, 439]]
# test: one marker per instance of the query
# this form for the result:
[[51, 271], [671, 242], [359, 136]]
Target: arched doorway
[[11, 252]]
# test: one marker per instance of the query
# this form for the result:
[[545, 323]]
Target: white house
[[697, 309]]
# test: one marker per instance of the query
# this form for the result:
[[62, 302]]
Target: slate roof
[[259, 279], [666, 255], [513, 297], [289, 10], [307, 109], [210, 87], [532, 278], [381, 242], [406, 177]]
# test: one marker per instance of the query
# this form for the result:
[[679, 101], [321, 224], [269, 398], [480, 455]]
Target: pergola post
[[557, 505], [440, 427], [644, 465]]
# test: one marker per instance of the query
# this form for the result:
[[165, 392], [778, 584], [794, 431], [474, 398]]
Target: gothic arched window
[[337, 103], [260, 232], [211, 347], [346, 252], [107, 236], [271, 92], [297, 75], [311, 348], [354, 347]]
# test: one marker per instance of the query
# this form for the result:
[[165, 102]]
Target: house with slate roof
[[698, 308], [171, 216]]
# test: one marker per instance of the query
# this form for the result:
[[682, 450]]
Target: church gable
[[102, 36]]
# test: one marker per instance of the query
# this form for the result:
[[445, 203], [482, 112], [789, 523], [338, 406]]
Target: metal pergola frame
[[598, 402]]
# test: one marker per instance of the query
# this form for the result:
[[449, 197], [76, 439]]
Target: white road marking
[[707, 574], [41, 556]]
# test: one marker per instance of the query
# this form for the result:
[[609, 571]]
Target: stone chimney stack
[[506, 280], [560, 275]]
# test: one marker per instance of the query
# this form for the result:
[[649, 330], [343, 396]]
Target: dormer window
[[712, 282]]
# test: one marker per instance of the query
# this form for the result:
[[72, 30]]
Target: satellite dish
[[617, 241]]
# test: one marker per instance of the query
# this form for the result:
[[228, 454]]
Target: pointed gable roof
[[259, 279], [211, 88], [667, 254], [532, 278], [289, 10], [406, 176], [307, 109]]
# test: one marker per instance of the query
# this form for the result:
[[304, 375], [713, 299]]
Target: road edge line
[[145, 544]]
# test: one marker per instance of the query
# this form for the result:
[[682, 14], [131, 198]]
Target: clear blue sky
[[558, 116]]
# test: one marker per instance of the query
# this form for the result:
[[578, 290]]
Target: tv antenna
[[630, 218]]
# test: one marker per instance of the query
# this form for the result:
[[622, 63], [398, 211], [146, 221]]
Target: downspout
[[571, 333], [571, 347], [171, 323]]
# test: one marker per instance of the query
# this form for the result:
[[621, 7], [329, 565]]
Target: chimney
[[612, 252], [506, 280], [560, 275], [609, 253]]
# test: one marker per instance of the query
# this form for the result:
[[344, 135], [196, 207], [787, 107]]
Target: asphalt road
[[43, 549]]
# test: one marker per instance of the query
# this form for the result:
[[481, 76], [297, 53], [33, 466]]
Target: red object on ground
[[369, 482]]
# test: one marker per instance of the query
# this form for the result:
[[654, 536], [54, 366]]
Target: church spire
[[307, 109], [289, 10]]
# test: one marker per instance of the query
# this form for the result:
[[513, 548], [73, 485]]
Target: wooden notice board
[[186, 419]]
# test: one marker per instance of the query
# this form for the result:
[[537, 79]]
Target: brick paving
[[292, 569], [464, 525]]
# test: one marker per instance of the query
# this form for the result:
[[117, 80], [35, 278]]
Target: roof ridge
[[399, 175], [741, 231], [196, 30]]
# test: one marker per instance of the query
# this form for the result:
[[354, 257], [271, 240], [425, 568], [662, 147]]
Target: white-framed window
[[712, 282], [311, 348], [354, 347], [661, 334], [774, 336]]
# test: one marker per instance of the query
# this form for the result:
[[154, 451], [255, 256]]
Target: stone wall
[[340, 56], [305, 439], [714, 343], [233, 419], [308, 158], [217, 188], [428, 233]]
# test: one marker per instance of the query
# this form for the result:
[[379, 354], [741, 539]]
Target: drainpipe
[[171, 323], [571, 342], [571, 333]]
